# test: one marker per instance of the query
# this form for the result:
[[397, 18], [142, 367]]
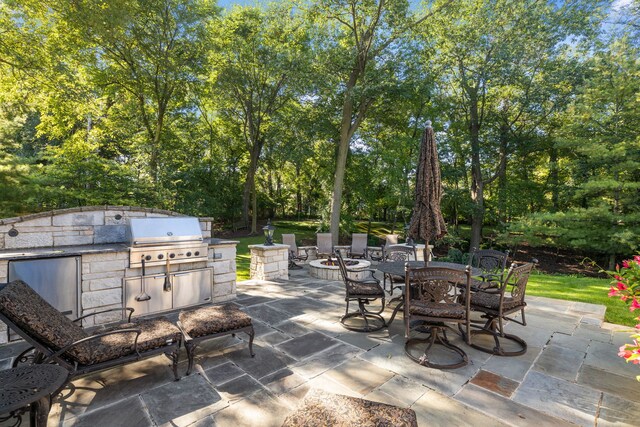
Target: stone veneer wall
[[102, 273], [88, 225], [269, 262]]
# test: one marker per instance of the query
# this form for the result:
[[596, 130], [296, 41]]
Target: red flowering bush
[[626, 286]]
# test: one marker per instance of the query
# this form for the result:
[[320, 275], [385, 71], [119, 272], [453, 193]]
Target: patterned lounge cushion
[[364, 288], [157, 332], [437, 309], [213, 320], [320, 408], [492, 301], [36, 317]]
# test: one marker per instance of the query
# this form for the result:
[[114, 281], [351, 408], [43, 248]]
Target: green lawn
[[572, 288], [582, 289]]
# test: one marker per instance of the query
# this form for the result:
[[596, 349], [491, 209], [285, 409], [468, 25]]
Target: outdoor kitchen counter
[[58, 251], [215, 242]]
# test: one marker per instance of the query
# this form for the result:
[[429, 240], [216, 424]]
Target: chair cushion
[[39, 319], [320, 408], [213, 320], [437, 309], [155, 333], [364, 288], [492, 301]]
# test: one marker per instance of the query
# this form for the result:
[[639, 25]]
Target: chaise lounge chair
[[55, 338]]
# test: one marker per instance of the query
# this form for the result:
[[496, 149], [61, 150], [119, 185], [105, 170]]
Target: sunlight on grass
[[582, 289]]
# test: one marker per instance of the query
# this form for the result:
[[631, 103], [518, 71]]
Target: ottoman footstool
[[204, 323]]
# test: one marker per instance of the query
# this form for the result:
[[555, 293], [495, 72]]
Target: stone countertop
[[61, 251], [214, 242]]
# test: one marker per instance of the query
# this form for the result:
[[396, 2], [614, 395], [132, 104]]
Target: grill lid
[[173, 230]]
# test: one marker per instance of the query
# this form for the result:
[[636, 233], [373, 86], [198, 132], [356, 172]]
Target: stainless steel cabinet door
[[154, 287], [192, 287]]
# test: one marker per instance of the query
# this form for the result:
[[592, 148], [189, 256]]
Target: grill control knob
[[148, 258], [188, 253], [160, 256], [197, 253], [172, 255]]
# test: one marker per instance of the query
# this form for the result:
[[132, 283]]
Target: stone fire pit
[[322, 269]]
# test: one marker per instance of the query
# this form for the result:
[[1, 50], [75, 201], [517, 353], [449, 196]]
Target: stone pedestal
[[269, 262]]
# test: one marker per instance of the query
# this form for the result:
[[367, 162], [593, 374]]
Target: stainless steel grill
[[161, 240]]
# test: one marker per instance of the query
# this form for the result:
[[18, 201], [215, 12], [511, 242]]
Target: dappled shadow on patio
[[570, 373]]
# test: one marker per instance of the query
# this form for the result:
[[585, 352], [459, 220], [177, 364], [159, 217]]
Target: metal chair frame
[[396, 254], [436, 285], [362, 300], [294, 252], [324, 245], [358, 248], [516, 284]]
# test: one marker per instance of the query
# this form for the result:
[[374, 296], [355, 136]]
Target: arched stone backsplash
[[87, 225]]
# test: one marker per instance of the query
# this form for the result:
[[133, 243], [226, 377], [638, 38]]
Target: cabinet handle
[[182, 274], [207, 299]]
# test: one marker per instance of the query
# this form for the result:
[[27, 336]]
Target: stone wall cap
[[270, 247], [220, 242]]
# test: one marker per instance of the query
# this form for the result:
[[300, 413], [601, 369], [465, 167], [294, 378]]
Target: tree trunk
[[248, 194], [341, 160], [254, 211], [477, 183], [502, 176], [554, 178], [298, 193]]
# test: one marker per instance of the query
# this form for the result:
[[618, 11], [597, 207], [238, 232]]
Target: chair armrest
[[94, 337], [187, 337], [129, 309], [371, 275]]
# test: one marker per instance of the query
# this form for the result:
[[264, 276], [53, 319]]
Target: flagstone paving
[[570, 375]]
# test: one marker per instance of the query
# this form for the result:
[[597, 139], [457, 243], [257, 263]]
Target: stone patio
[[571, 373]]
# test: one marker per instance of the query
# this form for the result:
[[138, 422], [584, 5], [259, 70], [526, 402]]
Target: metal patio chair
[[55, 338], [362, 291], [324, 245], [496, 304], [396, 254], [294, 252], [493, 264], [435, 296], [358, 248]]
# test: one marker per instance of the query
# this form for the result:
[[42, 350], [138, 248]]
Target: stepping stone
[[616, 411], [307, 344], [239, 388], [266, 360], [325, 360], [361, 377], [268, 314], [126, 412], [165, 407], [496, 383], [282, 381], [560, 362], [559, 398], [403, 389], [223, 373], [623, 386], [505, 409], [435, 409]]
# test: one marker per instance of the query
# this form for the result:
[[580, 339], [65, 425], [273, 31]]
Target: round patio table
[[30, 385], [397, 267]]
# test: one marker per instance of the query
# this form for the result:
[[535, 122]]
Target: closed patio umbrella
[[427, 222]]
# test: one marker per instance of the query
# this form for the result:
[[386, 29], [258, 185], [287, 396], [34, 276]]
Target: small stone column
[[269, 262]]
